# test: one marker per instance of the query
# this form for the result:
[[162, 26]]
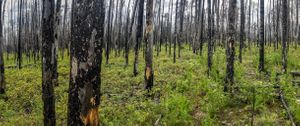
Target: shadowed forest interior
[[149, 62]]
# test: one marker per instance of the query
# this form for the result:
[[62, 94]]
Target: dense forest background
[[149, 62]]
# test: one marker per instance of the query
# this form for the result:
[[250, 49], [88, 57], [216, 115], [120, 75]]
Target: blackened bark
[[48, 53], [181, 39], [139, 36], [108, 37], [249, 23], [2, 80], [130, 32], [230, 48], [19, 36], [261, 38], [202, 26], [127, 37], [149, 45], [56, 31], [285, 33], [175, 33], [209, 32], [242, 30], [86, 49]]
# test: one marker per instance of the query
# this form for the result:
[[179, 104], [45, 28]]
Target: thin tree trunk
[[149, 45], [261, 38], [2, 80], [285, 15], [210, 41], [138, 36], [19, 36], [242, 31]]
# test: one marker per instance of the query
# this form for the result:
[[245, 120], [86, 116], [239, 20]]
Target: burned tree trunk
[[285, 33], [182, 8], [242, 31], [139, 35], [130, 32], [230, 48], [19, 35], [262, 38], [86, 58], [149, 45], [108, 37], [48, 53], [56, 31], [175, 33], [210, 43], [2, 81]]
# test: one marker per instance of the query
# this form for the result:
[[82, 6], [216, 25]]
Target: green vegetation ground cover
[[183, 94]]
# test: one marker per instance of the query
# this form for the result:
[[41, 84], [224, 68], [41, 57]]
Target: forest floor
[[183, 94]]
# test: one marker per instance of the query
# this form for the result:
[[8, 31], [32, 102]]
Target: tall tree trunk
[[48, 71], [285, 33], [249, 24], [230, 48], [86, 57], [127, 37], [210, 43], [139, 36], [261, 38], [108, 37], [56, 31], [202, 26], [175, 32], [2, 81], [181, 39], [242, 30], [19, 36], [149, 45], [130, 31]]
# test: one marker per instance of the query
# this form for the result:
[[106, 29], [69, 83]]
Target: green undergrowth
[[183, 93]]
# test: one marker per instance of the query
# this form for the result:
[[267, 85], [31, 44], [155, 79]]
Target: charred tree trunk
[[210, 41], [285, 33], [86, 57], [230, 48], [249, 24], [242, 31], [181, 39], [130, 32], [108, 37], [56, 31], [261, 38], [2, 81], [175, 33], [202, 26], [19, 36], [48, 53], [149, 45], [139, 36]]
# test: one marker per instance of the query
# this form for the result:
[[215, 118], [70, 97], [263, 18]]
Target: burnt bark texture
[[2, 80], [242, 31], [87, 29], [285, 33], [48, 60], [139, 35], [230, 48], [19, 36], [209, 34], [261, 66], [149, 45]]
